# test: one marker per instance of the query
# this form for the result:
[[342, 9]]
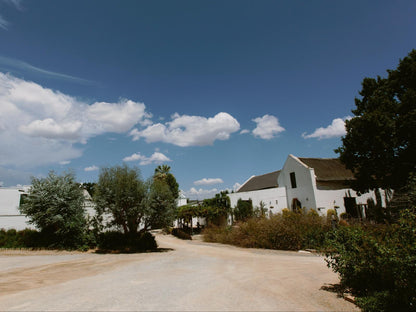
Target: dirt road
[[194, 276]]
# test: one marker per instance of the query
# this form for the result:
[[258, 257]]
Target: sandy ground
[[194, 276]]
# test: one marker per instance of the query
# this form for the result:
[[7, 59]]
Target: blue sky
[[218, 90]]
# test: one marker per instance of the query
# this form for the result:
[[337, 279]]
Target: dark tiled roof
[[328, 169], [261, 182]]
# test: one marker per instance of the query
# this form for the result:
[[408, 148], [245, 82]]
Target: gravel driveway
[[193, 276]]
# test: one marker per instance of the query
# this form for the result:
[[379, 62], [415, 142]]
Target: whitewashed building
[[11, 199], [311, 183], [10, 217]]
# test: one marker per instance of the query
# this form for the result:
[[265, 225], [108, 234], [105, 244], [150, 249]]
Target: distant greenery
[[131, 206], [215, 210]]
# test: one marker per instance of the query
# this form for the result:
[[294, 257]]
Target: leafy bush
[[55, 204], [179, 233], [286, 231], [243, 210], [117, 241], [377, 263], [22, 239]]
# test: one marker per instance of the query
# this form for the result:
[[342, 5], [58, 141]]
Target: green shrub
[[286, 231], [26, 238], [117, 241], [179, 233], [377, 263]]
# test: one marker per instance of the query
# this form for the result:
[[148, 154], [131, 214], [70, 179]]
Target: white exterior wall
[[328, 199], [305, 183], [10, 217], [274, 198]]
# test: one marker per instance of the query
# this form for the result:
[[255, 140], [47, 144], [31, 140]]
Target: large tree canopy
[[380, 144], [121, 193]]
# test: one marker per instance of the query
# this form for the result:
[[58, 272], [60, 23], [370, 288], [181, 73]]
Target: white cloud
[[244, 131], [236, 186], [334, 130], [209, 181], [50, 129], [156, 158], [64, 162], [91, 168], [200, 194], [267, 127], [186, 130], [40, 126]]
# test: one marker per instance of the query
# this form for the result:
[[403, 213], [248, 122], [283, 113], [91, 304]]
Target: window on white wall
[[293, 180]]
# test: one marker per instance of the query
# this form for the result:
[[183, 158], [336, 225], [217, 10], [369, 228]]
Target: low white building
[[10, 200], [311, 183]]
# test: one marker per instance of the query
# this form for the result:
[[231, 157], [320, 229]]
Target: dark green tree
[[162, 173], [121, 193], [243, 210], [161, 205], [380, 144], [55, 205]]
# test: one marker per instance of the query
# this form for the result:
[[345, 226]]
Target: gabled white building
[[311, 183]]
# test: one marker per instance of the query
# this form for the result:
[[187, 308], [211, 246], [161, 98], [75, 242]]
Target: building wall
[[328, 199], [305, 183], [10, 217], [274, 198]]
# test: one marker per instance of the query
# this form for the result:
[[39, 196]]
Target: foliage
[[377, 263], [117, 241], [89, 186], [215, 210], [161, 205], [284, 231], [162, 173], [243, 210], [18, 239], [380, 145], [121, 193], [260, 211], [55, 205], [181, 234], [187, 212]]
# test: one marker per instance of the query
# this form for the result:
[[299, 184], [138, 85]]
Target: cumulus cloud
[[200, 194], [186, 130], [209, 181], [267, 127], [334, 130], [91, 168], [41, 126], [244, 131], [156, 158]]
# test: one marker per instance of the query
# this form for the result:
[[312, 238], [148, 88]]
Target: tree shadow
[[338, 289], [341, 291], [129, 251]]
